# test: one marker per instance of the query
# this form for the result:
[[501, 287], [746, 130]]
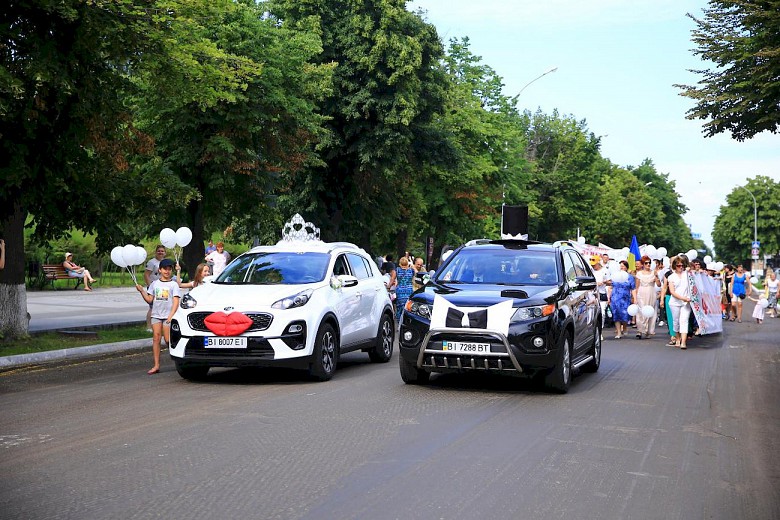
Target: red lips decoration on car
[[231, 324]]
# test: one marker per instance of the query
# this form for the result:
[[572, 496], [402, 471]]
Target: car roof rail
[[345, 245], [478, 241], [515, 242]]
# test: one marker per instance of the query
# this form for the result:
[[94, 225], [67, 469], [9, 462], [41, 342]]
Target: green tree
[[663, 224], [388, 86], [564, 175], [733, 231], [742, 94], [463, 192], [64, 131], [236, 145]]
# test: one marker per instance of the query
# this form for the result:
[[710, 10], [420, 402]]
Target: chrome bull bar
[[458, 359]]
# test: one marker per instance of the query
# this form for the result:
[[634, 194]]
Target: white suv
[[300, 304]]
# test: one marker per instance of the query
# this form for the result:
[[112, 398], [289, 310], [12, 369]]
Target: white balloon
[[116, 257], [168, 238], [763, 302], [692, 254], [633, 309], [707, 259], [648, 311], [651, 251], [667, 261], [624, 251], [754, 280], [719, 266], [661, 251], [141, 255], [580, 240], [183, 236], [129, 255], [620, 277]]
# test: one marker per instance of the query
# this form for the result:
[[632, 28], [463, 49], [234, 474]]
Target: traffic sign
[[754, 252], [756, 244]]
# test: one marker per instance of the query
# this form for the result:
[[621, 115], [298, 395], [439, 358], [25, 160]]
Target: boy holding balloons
[[151, 274], [163, 297]]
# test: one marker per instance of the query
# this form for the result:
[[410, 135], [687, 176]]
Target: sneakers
[[661, 323]]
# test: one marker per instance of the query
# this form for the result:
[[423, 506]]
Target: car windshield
[[500, 266], [276, 268]]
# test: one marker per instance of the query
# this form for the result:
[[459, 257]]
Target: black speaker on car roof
[[514, 222]]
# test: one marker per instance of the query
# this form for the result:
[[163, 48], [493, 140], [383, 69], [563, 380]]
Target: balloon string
[[132, 274]]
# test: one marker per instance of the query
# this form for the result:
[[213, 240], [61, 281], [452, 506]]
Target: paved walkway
[[78, 309], [73, 309]]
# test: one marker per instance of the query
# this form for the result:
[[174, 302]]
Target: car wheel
[[325, 353], [411, 374], [560, 377], [593, 365], [191, 373], [383, 345]]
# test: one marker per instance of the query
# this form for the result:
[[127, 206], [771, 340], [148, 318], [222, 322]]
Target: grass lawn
[[56, 341]]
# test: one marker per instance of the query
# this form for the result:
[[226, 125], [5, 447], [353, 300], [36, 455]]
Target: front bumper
[[270, 343], [515, 354]]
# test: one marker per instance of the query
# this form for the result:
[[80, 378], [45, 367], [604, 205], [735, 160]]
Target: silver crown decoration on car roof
[[298, 230]]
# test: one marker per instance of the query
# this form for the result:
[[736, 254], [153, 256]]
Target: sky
[[617, 63]]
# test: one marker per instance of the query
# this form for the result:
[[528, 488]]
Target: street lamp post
[[536, 78]]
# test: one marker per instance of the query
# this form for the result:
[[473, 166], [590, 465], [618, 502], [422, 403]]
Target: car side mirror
[[584, 283], [423, 278], [347, 280]]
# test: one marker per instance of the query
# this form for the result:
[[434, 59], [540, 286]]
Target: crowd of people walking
[[626, 296]]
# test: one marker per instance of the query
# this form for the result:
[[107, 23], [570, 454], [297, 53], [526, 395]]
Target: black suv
[[509, 307]]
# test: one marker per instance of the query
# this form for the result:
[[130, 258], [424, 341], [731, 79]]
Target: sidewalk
[[77, 309]]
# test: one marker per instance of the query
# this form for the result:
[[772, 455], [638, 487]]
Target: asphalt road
[[657, 433]]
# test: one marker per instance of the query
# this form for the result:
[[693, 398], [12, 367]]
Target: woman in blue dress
[[740, 288], [621, 295], [404, 275]]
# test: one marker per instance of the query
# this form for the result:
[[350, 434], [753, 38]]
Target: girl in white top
[[680, 302], [771, 293]]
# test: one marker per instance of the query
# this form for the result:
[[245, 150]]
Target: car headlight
[[422, 310], [291, 302], [531, 313], [188, 302]]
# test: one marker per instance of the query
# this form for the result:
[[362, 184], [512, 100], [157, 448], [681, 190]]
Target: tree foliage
[[236, 123], [462, 193], [564, 157], [387, 88], [733, 231], [65, 134], [742, 95]]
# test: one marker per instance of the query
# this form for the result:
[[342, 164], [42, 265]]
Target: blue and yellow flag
[[633, 254]]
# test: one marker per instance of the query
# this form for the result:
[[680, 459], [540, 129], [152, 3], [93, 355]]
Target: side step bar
[[586, 359]]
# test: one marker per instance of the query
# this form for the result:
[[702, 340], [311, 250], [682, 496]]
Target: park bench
[[57, 272]]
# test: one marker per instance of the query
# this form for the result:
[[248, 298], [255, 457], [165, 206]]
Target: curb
[[73, 353]]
